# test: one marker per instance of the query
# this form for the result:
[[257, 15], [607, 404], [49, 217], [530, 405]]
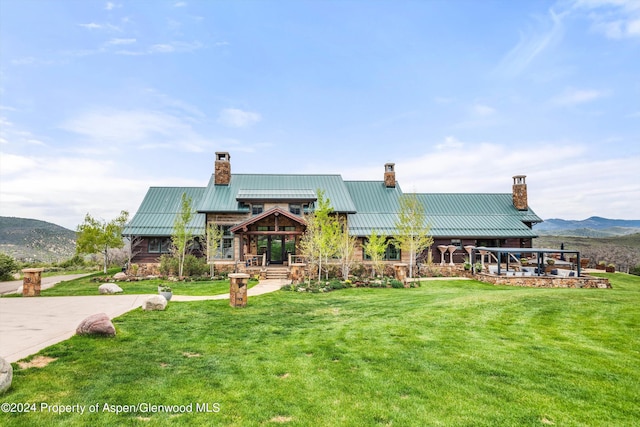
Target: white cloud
[[63, 190], [616, 19], [483, 110], [563, 181], [160, 48], [532, 44], [120, 41], [111, 6], [96, 26], [578, 96], [450, 142], [180, 4], [235, 117], [122, 126]]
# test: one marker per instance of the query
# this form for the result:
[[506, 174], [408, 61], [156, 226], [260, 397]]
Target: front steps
[[281, 273]]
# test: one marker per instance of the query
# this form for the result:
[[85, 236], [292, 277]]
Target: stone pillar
[[238, 289], [401, 272], [297, 273], [31, 282]]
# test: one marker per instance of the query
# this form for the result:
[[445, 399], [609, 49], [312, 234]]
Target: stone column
[[238, 289], [401, 272], [297, 272], [31, 282]]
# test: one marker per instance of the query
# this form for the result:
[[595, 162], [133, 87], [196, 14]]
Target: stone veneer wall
[[545, 282]]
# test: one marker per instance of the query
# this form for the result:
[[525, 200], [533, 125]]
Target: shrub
[[194, 266], [397, 284], [635, 270], [75, 261], [168, 265], [7, 266]]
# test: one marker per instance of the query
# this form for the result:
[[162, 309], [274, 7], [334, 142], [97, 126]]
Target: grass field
[[85, 286], [450, 353]]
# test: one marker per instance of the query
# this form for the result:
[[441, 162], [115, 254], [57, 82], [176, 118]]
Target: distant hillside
[[623, 251], [590, 227], [32, 240]]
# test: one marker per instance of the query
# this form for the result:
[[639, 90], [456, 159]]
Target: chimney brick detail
[[389, 175], [222, 171], [520, 201]]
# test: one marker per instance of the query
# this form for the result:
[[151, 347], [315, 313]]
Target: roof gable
[[273, 211]]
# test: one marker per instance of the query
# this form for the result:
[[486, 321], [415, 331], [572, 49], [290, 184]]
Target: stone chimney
[[520, 193], [222, 168], [390, 175]]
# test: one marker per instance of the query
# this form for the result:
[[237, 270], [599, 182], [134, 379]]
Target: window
[[391, 253], [457, 243], [159, 245], [256, 209], [295, 209], [225, 247]]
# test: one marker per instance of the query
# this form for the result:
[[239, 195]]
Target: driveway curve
[[27, 325]]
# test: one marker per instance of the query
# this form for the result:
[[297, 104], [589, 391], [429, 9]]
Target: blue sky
[[100, 100]]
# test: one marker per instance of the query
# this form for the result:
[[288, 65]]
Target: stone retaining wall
[[545, 282]]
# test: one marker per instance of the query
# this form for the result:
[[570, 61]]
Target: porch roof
[[274, 211]]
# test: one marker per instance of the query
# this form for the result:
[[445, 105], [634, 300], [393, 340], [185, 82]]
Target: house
[[262, 216]]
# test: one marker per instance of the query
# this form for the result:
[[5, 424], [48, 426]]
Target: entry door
[[276, 249]]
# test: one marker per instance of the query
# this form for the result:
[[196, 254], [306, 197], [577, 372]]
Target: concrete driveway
[[27, 325], [45, 283]]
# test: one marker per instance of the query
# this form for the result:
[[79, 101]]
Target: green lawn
[[450, 353], [85, 286]]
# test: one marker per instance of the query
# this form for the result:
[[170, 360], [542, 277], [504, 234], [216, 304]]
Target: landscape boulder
[[109, 289], [120, 276], [96, 324], [6, 375], [156, 302], [19, 290]]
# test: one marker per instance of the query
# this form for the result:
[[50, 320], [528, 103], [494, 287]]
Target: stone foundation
[[545, 281]]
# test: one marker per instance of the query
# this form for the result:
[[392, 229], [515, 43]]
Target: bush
[[7, 266], [397, 284], [194, 266], [168, 265], [635, 270], [75, 261]]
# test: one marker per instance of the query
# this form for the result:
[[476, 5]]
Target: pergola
[[538, 251]]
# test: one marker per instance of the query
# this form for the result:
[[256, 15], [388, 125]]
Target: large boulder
[[120, 276], [109, 289], [6, 375], [96, 324], [156, 302]]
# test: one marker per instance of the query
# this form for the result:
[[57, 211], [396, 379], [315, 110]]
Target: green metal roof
[[374, 196], [475, 204], [224, 198], [449, 215], [277, 194], [158, 211]]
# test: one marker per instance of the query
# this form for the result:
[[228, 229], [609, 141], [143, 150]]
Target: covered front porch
[[270, 238]]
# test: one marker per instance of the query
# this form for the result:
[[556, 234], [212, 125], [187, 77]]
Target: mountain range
[[32, 240], [594, 226]]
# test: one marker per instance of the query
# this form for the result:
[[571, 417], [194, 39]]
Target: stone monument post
[[238, 289], [32, 282]]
